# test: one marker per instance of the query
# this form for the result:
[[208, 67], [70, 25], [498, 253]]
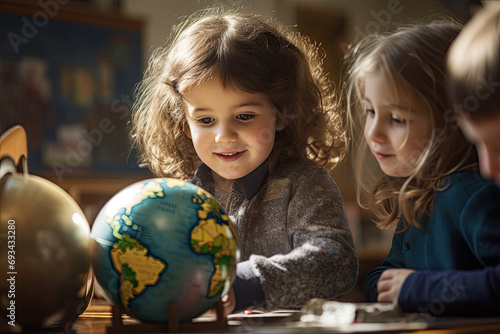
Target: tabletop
[[101, 319]]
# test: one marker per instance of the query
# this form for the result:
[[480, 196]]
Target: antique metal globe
[[45, 263]]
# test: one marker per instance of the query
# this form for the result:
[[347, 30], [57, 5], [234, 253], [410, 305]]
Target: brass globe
[[45, 259]]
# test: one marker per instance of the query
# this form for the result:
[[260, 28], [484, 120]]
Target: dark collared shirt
[[249, 184]]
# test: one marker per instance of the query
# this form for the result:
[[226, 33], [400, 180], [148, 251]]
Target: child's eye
[[370, 112], [398, 121], [205, 120], [245, 117]]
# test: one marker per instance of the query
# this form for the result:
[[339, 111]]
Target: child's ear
[[279, 125], [187, 130]]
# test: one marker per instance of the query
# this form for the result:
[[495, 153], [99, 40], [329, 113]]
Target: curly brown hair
[[251, 53], [414, 57]]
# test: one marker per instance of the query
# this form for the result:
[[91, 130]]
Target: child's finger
[[385, 297], [387, 274], [383, 285]]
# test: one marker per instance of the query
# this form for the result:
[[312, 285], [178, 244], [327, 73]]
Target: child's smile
[[230, 156], [232, 130]]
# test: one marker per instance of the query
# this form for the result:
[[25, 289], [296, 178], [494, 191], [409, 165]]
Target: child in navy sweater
[[427, 188]]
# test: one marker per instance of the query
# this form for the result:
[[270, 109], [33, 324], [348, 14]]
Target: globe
[[162, 241], [46, 278]]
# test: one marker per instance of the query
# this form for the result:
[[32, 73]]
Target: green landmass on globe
[[211, 237], [137, 269]]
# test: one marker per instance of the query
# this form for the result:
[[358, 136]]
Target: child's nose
[[225, 134], [374, 131], [489, 163]]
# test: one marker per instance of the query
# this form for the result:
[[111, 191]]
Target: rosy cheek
[[264, 137]]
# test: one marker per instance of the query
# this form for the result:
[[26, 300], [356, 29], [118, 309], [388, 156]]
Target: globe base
[[172, 326]]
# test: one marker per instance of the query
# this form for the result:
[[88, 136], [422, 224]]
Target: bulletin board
[[67, 74]]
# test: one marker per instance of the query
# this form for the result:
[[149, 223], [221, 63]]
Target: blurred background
[[68, 71]]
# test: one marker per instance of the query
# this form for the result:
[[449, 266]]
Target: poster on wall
[[68, 77]]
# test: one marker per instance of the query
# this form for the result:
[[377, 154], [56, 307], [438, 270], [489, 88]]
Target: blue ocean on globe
[[162, 241]]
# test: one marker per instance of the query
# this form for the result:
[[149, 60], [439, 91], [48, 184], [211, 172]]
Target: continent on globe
[[137, 269], [213, 235]]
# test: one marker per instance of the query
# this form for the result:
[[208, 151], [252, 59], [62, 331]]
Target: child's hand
[[390, 283], [229, 302]]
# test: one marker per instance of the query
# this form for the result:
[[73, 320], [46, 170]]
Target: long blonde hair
[[414, 57], [249, 53]]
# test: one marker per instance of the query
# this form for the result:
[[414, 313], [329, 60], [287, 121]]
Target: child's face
[[485, 134], [397, 126], [232, 130]]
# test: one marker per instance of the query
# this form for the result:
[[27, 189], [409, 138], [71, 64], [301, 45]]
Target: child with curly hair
[[241, 107], [422, 178]]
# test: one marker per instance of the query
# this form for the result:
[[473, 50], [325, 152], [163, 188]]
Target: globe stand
[[172, 326]]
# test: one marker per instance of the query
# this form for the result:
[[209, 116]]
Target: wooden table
[[98, 319]]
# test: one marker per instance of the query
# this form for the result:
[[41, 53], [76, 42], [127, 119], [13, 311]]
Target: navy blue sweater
[[456, 255]]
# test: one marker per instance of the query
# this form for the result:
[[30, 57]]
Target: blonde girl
[[241, 107], [417, 174]]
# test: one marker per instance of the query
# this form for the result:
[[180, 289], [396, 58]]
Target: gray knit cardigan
[[293, 233]]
